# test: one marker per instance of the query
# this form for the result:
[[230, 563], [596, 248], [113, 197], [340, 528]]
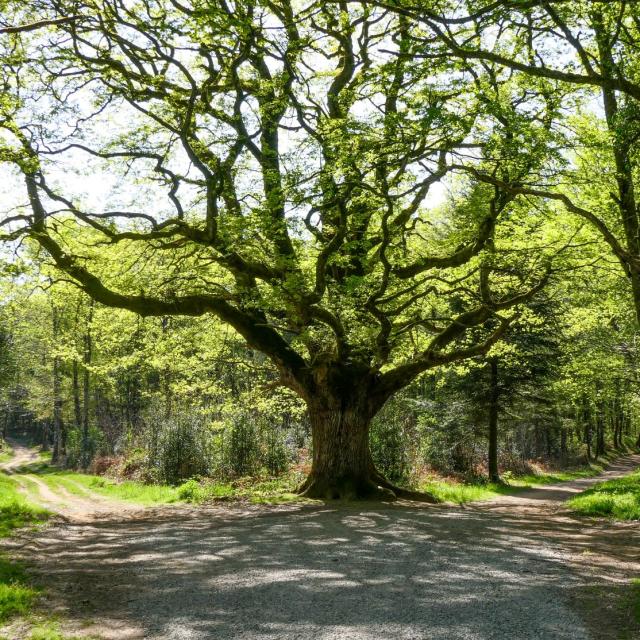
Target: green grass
[[461, 493], [635, 598], [16, 596], [84, 484], [15, 510], [5, 452], [50, 630], [618, 499], [256, 491]]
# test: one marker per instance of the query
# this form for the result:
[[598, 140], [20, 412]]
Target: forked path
[[83, 505], [519, 568]]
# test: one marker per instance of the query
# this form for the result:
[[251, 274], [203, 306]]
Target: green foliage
[[182, 449], [393, 439], [15, 597], [618, 499], [194, 491], [96, 442]]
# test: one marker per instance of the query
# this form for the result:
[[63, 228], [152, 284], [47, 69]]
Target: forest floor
[[520, 566]]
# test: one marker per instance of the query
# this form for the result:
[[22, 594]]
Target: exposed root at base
[[377, 488]]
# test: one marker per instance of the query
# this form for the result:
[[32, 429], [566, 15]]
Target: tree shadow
[[364, 571]]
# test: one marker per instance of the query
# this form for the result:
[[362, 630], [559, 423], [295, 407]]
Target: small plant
[[15, 599], [190, 491], [507, 477]]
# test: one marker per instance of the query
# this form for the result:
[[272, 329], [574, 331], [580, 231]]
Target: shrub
[[243, 451], [183, 449]]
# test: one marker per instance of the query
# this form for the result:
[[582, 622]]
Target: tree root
[[405, 494], [375, 488]]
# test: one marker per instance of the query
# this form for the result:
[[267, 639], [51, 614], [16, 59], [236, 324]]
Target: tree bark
[[59, 448], [600, 425], [88, 345], [342, 466], [494, 395], [77, 407]]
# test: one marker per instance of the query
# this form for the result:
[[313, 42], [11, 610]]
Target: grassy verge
[[460, 492], [281, 489], [15, 510], [618, 499], [5, 452], [84, 484], [267, 490], [16, 595]]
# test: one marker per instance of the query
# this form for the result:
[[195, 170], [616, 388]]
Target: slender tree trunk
[[166, 377], [59, 451], [77, 407], [600, 424], [88, 345], [494, 408], [45, 435], [588, 430]]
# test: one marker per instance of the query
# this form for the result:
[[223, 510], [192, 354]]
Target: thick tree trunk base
[[374, 488], [345, 488]]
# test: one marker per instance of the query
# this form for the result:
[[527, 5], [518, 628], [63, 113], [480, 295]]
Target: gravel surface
[[519, 568]]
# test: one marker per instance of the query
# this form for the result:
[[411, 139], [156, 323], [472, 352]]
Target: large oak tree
[[281, 158]]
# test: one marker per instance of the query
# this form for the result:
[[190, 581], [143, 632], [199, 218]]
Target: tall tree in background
[[275, 163]]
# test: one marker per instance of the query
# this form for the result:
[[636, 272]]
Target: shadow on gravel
[[368, 572]]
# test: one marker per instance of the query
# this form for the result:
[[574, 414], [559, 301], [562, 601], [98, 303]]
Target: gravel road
[[518, 568]]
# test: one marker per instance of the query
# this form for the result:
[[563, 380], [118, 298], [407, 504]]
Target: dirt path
[[69, 505], [519, 568]]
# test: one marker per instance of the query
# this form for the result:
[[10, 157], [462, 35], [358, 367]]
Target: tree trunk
[[494, 394], [45, 435], [59, 449], [342, 466], [600, 424], [77, 407], [166, 377], [86, 390], [563, 446]]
